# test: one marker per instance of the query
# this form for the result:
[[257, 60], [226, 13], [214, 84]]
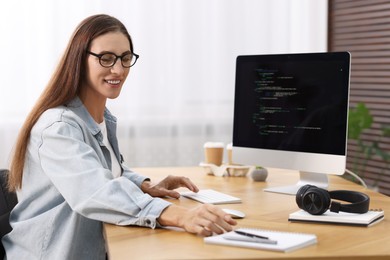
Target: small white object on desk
[[211, 197], [235, 213]]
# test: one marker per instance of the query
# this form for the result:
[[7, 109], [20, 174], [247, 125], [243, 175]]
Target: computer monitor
[[291, 112]]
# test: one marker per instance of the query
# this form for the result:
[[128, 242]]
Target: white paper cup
[[229, 149]]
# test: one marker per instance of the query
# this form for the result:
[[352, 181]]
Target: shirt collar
[[77, 106]]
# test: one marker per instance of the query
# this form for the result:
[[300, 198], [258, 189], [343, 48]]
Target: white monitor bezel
[[313, 168], [300, 161]]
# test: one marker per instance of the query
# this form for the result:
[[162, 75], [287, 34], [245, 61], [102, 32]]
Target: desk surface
[[263, 210]]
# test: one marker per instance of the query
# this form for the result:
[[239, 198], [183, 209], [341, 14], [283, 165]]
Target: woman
[[67, 169]]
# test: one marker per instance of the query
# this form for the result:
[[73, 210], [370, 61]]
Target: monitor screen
[[291, 111]]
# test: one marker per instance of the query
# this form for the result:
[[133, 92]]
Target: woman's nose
[[118, 68]]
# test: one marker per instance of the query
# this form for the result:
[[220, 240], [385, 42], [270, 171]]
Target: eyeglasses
[[109, 59]]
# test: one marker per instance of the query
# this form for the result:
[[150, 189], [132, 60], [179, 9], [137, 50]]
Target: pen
[[249, 234], [248, 237]]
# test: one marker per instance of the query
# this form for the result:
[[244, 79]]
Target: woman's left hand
[[166, 186]]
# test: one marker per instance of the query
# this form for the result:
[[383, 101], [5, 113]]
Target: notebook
[[211, 196], [342, 218], [285, 241]]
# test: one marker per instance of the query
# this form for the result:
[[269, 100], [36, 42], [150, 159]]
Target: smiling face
[[101, 83]]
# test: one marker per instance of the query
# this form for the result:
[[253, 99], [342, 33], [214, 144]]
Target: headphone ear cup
[[301, 192], [315, 200]]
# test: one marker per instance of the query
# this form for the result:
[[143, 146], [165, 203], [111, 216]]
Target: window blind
[[363, 28]]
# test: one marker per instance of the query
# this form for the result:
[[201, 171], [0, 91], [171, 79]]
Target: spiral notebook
[[285, 241], [367, 219]]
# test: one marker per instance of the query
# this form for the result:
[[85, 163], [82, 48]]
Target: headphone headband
[[359, 201]]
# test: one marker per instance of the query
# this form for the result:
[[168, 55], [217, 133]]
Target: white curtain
[[180, 93]]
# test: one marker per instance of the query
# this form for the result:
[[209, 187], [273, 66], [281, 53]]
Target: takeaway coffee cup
[[213, 152], [229, 149]]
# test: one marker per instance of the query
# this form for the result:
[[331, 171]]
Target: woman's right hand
[[203, 220]]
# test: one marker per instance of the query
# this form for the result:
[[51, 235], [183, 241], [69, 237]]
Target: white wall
[[181, 91]]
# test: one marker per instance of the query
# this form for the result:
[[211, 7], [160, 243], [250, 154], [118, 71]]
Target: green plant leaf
[[359, 119], [386, 130]]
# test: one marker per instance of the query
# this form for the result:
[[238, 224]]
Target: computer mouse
[[235, 213]]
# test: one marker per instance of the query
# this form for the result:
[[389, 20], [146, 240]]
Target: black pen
[[256, 238], [249, 234]]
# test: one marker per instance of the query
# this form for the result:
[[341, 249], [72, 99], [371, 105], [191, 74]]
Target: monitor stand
[[318, 179]]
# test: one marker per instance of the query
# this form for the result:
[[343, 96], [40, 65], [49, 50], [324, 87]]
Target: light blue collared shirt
[[68, 190]]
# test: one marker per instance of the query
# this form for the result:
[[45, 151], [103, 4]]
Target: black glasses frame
[[116, 58]]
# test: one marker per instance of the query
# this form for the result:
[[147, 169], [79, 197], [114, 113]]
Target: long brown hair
[[64, 85]]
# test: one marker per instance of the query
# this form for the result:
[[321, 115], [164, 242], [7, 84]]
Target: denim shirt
[[68, 190]]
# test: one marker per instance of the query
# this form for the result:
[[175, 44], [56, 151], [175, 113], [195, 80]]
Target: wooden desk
[[264, 210]]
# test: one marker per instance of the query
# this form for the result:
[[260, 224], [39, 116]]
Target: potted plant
[[359, 120]]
